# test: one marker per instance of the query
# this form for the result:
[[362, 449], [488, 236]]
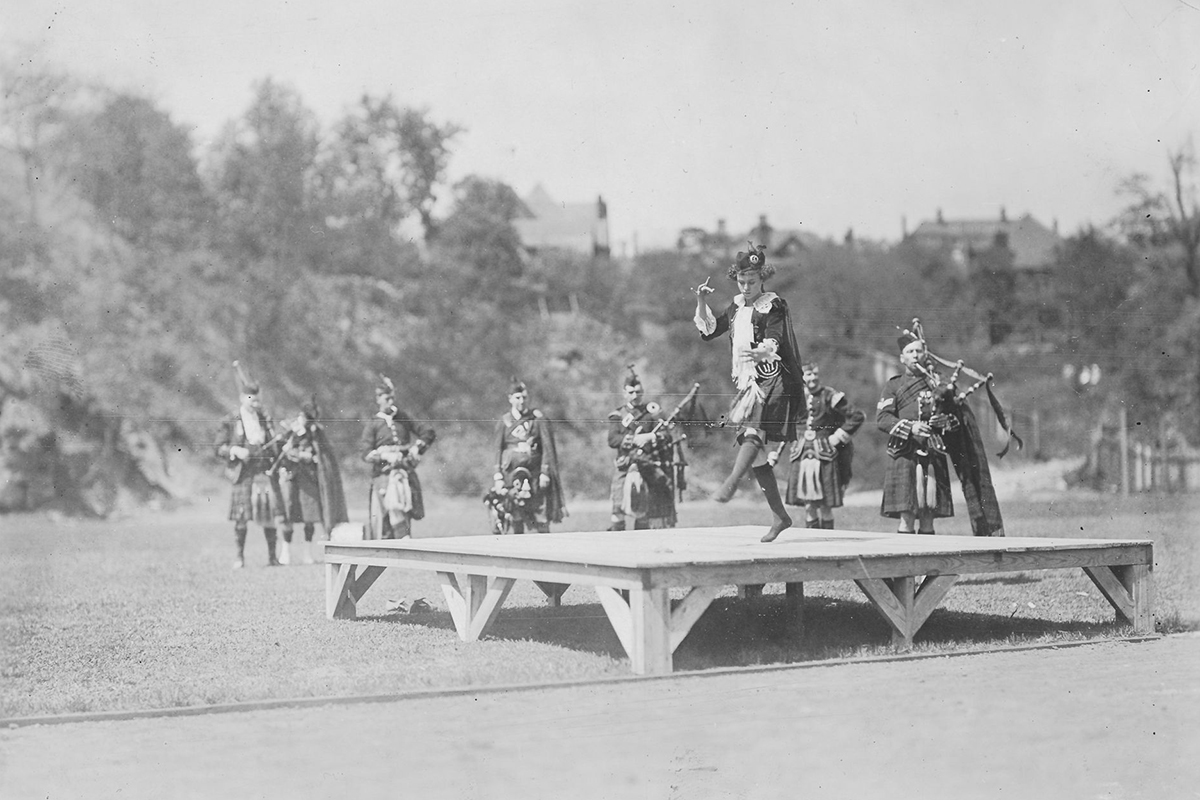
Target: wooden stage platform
[[477, 572]]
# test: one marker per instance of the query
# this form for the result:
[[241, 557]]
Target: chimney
[[601, 208], [721, 232], [763, 232], [1003, 214], [940, 220]]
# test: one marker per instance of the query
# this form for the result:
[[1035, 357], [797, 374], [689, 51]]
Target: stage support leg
[[345, 584], [904, 607], [648, 628], [1130, 591], [474, 601]]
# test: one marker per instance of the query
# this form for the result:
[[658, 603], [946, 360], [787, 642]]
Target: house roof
[[783, 239], [571, 226], [1032, 243]]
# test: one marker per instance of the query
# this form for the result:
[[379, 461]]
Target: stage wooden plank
[[1129, 589], [904, 590], [474, 590], [962, 555], [883, 598], [339, 604], [852, 567], [689, 611], [455, 602], [553, 591], [1138, 579], [933, 590], [521, 568], [495, 592], [657, 548], [619, 616], [363, 580], [651, 613], [477, 573]]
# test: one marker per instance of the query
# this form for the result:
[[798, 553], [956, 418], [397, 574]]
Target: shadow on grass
[[576, 627], [765, 630], [1014, 579]]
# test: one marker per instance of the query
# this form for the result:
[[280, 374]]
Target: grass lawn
[[145, 612]]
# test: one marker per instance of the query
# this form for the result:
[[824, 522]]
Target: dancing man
[[766, 371]]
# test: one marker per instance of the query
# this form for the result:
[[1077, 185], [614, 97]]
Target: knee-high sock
[[747, 451], [766, 479], [269, 533]]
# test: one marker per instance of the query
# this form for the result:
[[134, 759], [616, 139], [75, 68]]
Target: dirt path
[[1114, 720]]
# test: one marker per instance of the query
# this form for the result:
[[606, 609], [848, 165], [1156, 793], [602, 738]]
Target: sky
[[823, 116]]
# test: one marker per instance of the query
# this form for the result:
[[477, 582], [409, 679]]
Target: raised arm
[[710, 325]]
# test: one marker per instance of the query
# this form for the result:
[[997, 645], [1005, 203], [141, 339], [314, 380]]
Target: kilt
[[658, 504], [832, 491], [378, 524], [834, 475], [773, 414], [900, 486], [301, 494], [256, 499]]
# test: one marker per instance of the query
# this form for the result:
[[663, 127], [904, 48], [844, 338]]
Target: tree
[[269, 230], [1164, 225], [1091, 284], [1168, 217], [380, 166], [262, 167], [34, 107], [135, 166], [479, 230]]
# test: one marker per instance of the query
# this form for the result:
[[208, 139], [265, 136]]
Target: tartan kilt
[[378, 524], [660, 500], [256, 500], [775, 415], [832, 488], [900, 487], [301, 495]]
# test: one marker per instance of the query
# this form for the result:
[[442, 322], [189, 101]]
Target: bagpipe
[[950, 402], [396, 456], [260, 455], [666, 456], [513, 507], [285, 451]]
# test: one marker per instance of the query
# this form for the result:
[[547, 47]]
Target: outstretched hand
[[703, 288]]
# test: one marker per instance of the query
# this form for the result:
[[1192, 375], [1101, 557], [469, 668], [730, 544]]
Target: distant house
[[1033, 246], [554, 225], [782, 245]]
